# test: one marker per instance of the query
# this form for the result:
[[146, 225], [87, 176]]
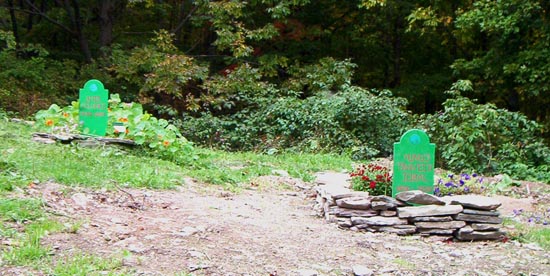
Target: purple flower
[[474, 174], [517, 212], [450, 176], [480, 180], [461, 182], [437, 191], [530, 220], [466, 176], [449, 184], [441, 182], [466, 189]]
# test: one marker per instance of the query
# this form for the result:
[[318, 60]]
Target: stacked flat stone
[[466, 217]]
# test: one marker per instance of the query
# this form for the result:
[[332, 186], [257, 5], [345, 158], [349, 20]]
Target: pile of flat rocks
[[465, 217]]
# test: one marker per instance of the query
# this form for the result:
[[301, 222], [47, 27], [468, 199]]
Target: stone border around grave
[[82, 140], [464, 217]]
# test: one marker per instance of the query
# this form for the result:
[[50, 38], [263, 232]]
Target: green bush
[[353, 120], [486, 139]]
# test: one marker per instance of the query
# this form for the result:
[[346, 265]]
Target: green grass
[[23, 161], [524, 233], [84, 264]]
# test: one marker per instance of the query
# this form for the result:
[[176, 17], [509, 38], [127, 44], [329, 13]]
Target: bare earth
[[266, 231]]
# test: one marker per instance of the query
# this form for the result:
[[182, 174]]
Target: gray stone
[[342, 212], [388, 213], [436, 231], [475, 202], [477, 218], [388, 199], [434, 219], [467, 229], [382, 206], [428, 211], [479, 212], [337, 196], [441, 225], [378, 220], [344, 222], [307, 272], [486, 227], [359, 270], [418, 197], [357, 203], [478, 235], [396, 229]]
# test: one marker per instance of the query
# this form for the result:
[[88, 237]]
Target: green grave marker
[[413, 163], [94, 104]]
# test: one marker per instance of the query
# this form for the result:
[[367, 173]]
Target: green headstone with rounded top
[[413, 163], [93, 108]]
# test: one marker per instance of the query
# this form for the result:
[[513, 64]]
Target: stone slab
[[475, 202], [428, 211], [388, 213], [486, 227], [455, 224], [382, 206], [378, 221], [436, 231], [433, 219], [343, 212], [357, 203], [478, 235], [388, 199], [478, 218], [480, 212], [418, 197]]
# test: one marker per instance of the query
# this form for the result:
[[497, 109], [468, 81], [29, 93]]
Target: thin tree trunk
[[14, 24], [106, 23], [76, 19]]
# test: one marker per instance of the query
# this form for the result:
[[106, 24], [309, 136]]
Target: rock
[[342, 212], [479, 212], [80, 200], [478, 235], [418, 197], [357, 203], [337, 196], [467, 229], [388, 199], [428, 211], [434, 219], [378, 220], [396, 229], [307, 272], [359, 270], [344, 222], [436, 231], [486, 227], [475, 202], [388, 213], [441, 225], [477, 218], [382, 206]]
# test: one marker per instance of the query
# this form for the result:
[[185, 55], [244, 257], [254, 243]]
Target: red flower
[[364, 177], [372, 185]]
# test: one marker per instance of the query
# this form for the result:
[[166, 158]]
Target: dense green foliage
[[307, 75]]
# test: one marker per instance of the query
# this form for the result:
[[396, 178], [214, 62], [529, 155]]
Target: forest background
[[319, 76]]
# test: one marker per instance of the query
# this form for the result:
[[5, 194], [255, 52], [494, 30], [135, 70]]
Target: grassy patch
[[83, 265], [23, 161], [528, 233]]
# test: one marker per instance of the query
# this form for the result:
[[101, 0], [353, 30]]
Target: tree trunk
[[76, 19], [106, 23], [14, 24]]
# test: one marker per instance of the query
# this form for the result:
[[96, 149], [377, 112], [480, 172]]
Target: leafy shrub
[[32, 83], [163, 138], [483, 138], [353, 120], [372, 178]]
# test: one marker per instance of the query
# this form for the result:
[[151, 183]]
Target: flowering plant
[[125, 121], [451, 184], [372, 178]]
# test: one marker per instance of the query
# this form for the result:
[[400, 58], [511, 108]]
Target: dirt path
[[261, 232]]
